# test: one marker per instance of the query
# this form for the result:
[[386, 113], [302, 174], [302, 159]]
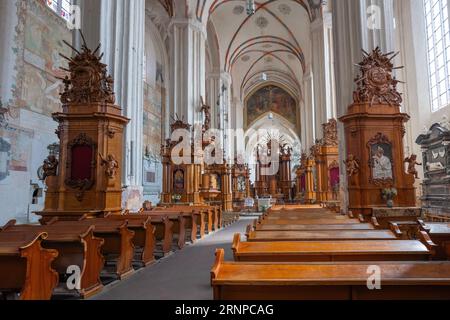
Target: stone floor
[[184, 275]]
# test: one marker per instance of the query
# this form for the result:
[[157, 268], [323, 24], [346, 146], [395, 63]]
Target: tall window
[[61, 7], [438, 41]]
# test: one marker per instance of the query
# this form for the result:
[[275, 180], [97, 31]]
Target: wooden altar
[[216, 186], [181, 176], [88, 178], [240, 176], [269, 183], [374, 131], [326, 155]]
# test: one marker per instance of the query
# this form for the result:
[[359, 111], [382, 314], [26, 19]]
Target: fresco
[[39, 43], [153, 104], [271, 99]]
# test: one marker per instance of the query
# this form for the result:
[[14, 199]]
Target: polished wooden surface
[[350, 250], [76, 245], [26, 267], [342, 281], [118, 242], [313, 227]]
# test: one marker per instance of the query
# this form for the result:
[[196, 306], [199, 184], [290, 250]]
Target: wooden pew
[[167, 225], [440, 234], [144, 239], [26, 267], [118, 248], [311, 227], [326, 281], [195, 219], [332, 235], [77, 246], [350, 250], [294, 220], [215, 213]]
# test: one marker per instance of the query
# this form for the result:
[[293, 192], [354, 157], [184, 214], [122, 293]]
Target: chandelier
[[251, 7]]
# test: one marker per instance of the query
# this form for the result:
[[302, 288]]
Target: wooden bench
[[350, 250], [77, 246], [311, 227], [195, 219], [144, 239], [26, 267], [440, 234], [294, 220], [325, 281], [117, 249], [170, 229], [332, 235], [216, 213]]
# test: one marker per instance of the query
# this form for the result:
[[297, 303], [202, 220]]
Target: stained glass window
[[438, 46], [61, 7]]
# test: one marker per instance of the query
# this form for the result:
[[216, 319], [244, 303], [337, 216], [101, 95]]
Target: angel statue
[[111, 166], [412, 163]]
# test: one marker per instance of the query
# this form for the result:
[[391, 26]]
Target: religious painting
[[178, 180], [215, 183], [381, 160], [271, 99], [241, 184]]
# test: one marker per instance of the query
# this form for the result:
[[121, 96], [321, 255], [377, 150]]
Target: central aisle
[[182, 276]]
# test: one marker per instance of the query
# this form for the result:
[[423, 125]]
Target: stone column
[[187, 68], [357, 24], [324, 100], [119, 25], [307, 119]]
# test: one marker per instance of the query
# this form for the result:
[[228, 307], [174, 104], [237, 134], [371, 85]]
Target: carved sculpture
[[88, 81], [376, 85], [412, 163], [111, 166], [330, 133], [207, 112], [351, 165], [50, 167]]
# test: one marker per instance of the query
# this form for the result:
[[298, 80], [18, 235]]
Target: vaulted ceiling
[[275, 41]]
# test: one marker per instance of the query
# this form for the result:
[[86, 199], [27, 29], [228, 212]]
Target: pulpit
[[374, 132], [88, 179]]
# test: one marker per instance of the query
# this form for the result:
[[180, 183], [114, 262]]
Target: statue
[[207, 112], [111, 166], [330, 133], [352, 165], [50, 167], [412, 163]]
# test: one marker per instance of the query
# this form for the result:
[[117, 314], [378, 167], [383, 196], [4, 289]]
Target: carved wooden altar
[[216, 185], [436, 162], [240, 175], [374, 131], [88, 180], [327, 163], [181, 176], [270, 182]]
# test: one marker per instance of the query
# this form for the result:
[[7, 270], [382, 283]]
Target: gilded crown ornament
[[376, 83]]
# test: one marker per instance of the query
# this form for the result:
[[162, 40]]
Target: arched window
[[438, 45], [61, 7]]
